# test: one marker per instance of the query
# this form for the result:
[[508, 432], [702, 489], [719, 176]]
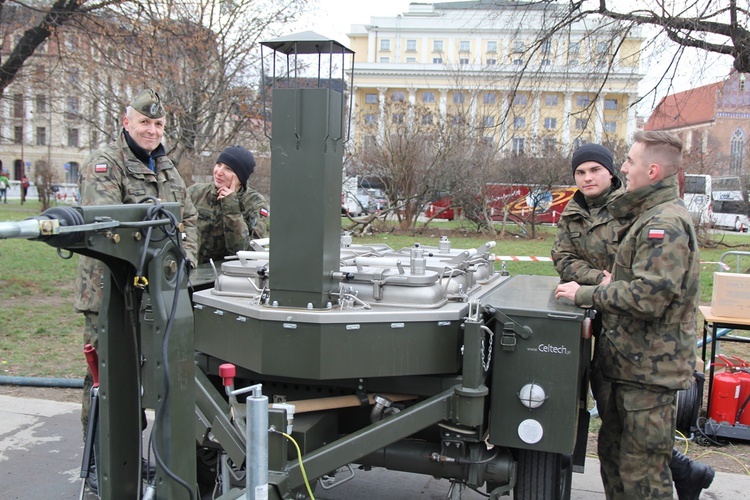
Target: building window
[[464, 46], [459, 97], [549, 144], [369, 143], [427, 119], [398, 118], [581, 123], [492, 46], [575, 48], [519, 122], [71, 108], [610, 126], [399, 96], [550, 123], [73, 137], [385, 45], [17, 134], [602, 48], [489, 121], [18, 108], [491, 62], [457, 120], [489, 98], [546, 46], [437, 45], [578, 143], [428, 96], [411, 59], [519, 47], [583, 101], [550, 100], [516, 145], [41, 104], [737, 152], [546, 62], [41, 136], [370, 119], [573, 62], [371, 98], [463, 60], [411, 45], [518, 62], [519, 99], [488, 140], [610, 103], [385, 59], [437, 60]]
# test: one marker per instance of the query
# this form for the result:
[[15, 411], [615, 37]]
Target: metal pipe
[[68, 383], [256, 464]]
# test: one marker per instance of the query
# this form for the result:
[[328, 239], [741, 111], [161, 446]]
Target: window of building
[[488, 140], [437, 45], [411, 59], [459, 97], [583, 101], [489, 121], [385, 59], [492, 46], [71, 108], [71, 41], [73, 78], [516, 145], [519, 47], [581, 123], [464, 46], [398, 118], [17, 134], [610, 103], [71, 175], [742, 83], [40, 72], [427, 119], [572, 62], [518, 62], [73, 137], [550, 100], [489, 98], [519, 99], [41, 104], [602, 48], [737, 152], [610, 126], [546, 62], [428, 96], [575, 48], [491, 62], [519, 122], [550, 123], [371, 98], [370, 119], [41, 136], [399, 96], [18, 108], [369, 143], [411, 45], [546, 46], [385, 44], [457, 120], [549, 144], [463, 60], [578, 143], [437, 60]]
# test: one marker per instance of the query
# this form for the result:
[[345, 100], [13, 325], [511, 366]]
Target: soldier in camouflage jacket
[[649, 321], [229, 212]]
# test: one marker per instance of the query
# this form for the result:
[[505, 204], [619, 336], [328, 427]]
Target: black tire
[[206, 468], [543, 475]]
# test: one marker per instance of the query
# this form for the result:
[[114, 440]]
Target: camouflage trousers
[[600, 386], [635, 443], [90, 336]]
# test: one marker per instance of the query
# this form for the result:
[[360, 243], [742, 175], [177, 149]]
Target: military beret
[[148, 103]]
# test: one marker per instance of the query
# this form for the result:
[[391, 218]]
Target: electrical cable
[[299, 460]]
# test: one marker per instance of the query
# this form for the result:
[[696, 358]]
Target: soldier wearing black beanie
[[599, 154]]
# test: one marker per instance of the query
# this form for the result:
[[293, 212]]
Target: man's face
[[146, 132], [636, 168], [225, 177], [592, 179]]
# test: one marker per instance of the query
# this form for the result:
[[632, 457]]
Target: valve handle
[[92, 358], [227, 372]]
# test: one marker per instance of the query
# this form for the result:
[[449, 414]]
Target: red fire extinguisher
[[725, 394], [741, 369]]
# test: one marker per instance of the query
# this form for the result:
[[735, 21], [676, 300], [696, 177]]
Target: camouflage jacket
[[112, 176], [584, 244], [649, 308], [226, 226]]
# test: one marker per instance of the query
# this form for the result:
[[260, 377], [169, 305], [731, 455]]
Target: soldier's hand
[[567, 291], [607, 279]]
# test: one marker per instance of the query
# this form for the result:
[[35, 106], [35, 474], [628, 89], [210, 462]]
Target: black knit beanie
[[599, 154], [240, 160]]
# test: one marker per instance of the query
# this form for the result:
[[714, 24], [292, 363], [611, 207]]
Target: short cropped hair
[[662, 148]]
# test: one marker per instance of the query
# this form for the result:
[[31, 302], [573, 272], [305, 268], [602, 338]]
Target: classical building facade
[[714, 123], [483, 65]]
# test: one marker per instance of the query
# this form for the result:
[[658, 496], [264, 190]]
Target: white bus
[[697, 197], [729, 204]]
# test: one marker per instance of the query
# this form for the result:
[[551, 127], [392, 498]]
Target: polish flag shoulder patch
[[100, 167], [263, 212], [656, 234]]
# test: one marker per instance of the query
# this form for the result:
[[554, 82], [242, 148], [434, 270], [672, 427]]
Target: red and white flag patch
[[263, 212], [656, 234], [100, 167]]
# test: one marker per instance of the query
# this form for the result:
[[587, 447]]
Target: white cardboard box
[[731, 295]]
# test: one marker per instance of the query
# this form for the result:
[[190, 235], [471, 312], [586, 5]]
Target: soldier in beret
[[132, 168], [647, 341], [230, 213]]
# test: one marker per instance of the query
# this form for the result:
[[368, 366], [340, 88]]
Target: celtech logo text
[[551, 349]]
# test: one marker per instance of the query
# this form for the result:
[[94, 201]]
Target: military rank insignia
[[100, 167]]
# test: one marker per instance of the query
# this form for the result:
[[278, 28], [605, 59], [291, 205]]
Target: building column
[[599, 119], [567, 108], [631, 125], [473, 95], [536, 115], [412, 104], [353, 122], [381, 119], [443, 103], [504, 108]]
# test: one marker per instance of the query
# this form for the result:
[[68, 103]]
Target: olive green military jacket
[[584, 244], [649, 308], [226, 226], [112, 176]]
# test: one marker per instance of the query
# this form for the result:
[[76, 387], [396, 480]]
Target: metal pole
[[256, 464]]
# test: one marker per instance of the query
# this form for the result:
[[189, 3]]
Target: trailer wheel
[[206, 468], [543, 475]]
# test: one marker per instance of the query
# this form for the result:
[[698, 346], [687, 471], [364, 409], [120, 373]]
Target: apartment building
[[484, 65]]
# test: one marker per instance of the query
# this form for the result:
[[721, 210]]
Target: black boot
[[689, 477], [92, 479]]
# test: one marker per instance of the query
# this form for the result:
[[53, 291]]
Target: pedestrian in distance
[[647, 338], [24, 188], [4, 184], [230, 213]]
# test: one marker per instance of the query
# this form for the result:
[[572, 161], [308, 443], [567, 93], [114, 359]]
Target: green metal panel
[[306, 165]]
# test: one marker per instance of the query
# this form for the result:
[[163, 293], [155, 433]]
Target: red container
[[744, 417], [725, 395]]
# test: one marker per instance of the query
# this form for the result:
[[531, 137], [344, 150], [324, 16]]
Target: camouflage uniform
[[584, 247], [648, 348], [226, 226], [112, 176]]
